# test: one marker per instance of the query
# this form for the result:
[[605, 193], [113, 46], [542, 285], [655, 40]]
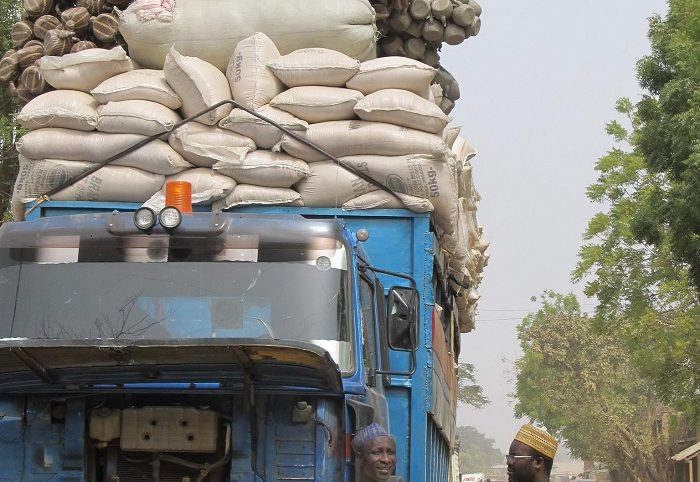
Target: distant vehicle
[[474, 477]]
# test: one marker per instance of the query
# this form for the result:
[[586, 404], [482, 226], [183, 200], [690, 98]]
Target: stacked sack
[[380, 117], [362, 29], [55, 28]]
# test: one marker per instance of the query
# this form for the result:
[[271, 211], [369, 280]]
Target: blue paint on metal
[[400, 241]]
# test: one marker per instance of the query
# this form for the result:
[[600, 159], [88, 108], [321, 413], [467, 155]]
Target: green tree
[[667, 136], [644, 292], [470, 392], [581, 385], [10, 12], [476, 452]]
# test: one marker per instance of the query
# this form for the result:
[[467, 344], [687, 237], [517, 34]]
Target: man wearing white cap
[[376, 453], [531, 455]]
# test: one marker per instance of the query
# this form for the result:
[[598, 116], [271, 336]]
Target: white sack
[[314, 66], [384, 200], [70, 109], [207, 186], [247, 195], [136, 117], [140, 84], [199, 84], [211, 29], [264, 134], [110, 183], [393, 73], [317, 103], [403, 108], [84, 70], [463, 150], [350, 138], [206, 145], [450, 135], [157, 156], [265, 168], [253, 84], [416, 175]]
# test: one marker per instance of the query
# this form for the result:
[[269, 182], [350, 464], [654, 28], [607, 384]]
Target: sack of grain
[[318, 104], [136, 117], [263, 133], [207, 186], [403, 108], [314, 66], [36, 177], [70, 109], [350, 138], [450, 135], [265, 168], [211, 29], [416, 175], [206, 145], [384, 200], [252, 82], [157, 156], [141, 84], [247, 195], [393, 73], [84, 70], [329, 185], [199, 84]]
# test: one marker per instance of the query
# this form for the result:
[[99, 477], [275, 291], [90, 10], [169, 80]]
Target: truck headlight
[[144, 218], [170, 217]]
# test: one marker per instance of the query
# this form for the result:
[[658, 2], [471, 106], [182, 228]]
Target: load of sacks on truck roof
[[362, 29], [380, 117]]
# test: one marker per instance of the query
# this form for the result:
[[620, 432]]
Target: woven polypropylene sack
[[350, 138], [199, 84], [70, 109], [141, 84], [247, 195], [156, 156], [403, 108], [265, 168], [416, 175], [318, 104], [263, 133], [385, 200], [36, 177], [207, 186], [84, 70], [393, 73], [315, 66], [206, 145], [211, 29], [136, 117], [252, 82]]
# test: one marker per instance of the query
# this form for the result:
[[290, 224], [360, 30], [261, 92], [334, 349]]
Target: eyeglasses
[[511, 458]]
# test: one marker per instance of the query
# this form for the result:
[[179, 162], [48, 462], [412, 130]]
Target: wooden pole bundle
[[56, 27]]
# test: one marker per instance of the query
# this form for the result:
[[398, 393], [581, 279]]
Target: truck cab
[[243, 345]]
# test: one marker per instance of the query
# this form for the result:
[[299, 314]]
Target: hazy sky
[[537, 86]]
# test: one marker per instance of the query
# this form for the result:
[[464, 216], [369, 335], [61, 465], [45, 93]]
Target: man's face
[[378, 459], [520, 468]]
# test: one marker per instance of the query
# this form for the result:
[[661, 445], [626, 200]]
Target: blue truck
[[243, 345]]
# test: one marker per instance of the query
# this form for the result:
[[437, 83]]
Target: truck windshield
[[156, 291]]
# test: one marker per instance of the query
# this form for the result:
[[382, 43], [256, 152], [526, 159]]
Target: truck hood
[[234, 364]]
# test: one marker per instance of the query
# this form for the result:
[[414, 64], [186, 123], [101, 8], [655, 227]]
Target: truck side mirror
[[402, 312]]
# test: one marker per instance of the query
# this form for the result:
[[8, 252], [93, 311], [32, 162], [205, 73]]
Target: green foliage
[[643, 290], [476, 452], [580, 384], [469, 392], [668, 135], [10, 11]]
